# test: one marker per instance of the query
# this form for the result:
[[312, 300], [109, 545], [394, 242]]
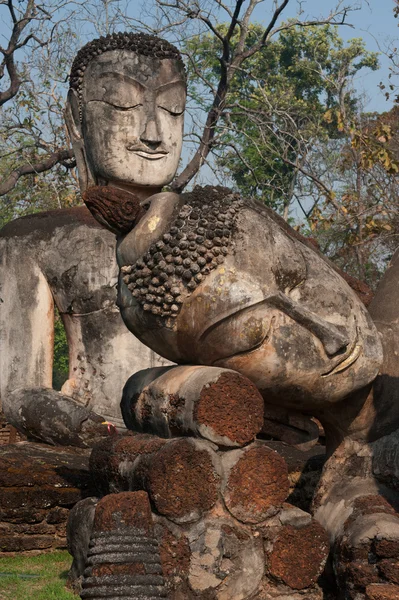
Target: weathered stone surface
[[231, 407], [304, 471], [79, 528], [382, 592], [181, 479], [360, 574], [298, 555], [216, 404], [386, 548], [64, 257], [273, 358], [17, 543], [113, 461], [174, 550], [289, 426], [115, 209], [48, 416], [123, 557], [370, 531], [120, 511], [255, 482], [226, 561], [292, 515], [39, 484], [389, 569]]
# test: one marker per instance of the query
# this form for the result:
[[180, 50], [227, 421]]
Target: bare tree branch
[[61, 156]]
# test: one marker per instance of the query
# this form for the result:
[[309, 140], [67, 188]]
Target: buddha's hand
[[160, 211], [115, 209]]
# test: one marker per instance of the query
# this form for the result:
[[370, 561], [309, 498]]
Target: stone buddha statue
[[219, 284], [206, 277]]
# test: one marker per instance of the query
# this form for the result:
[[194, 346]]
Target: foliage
[[274, 103], [282, 99], [50, 571], [61, 357], [355, 218]]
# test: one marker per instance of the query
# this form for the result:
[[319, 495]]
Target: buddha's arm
[[26, 322]]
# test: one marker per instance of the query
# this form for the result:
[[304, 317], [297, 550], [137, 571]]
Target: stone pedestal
[[221, 518], [38, 486]]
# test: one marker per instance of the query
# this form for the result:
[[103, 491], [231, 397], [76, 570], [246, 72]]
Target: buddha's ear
[[74, 126], [72, 116]]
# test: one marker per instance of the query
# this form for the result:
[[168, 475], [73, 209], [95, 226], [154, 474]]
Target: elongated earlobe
[[74, 126]]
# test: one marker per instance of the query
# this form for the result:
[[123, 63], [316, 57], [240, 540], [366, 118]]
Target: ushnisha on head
[[125, 112]]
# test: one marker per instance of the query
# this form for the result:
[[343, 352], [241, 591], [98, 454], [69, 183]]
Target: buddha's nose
[[150, 135]]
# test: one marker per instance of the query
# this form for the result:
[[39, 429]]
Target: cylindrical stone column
[[219, 405], [123, 561], [255, 482]]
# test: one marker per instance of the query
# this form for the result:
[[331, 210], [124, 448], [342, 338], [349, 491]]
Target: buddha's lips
[[150, 156], [147, 153]]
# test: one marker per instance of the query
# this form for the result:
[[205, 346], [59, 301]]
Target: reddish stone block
[[127, 509], [256, 483], [115, 209], [382, 592], [390, 570], [181, 480], [298, 555], [387, 548], [174, 551], [361, 574], [109, 455], [232, 407], [22, 543]]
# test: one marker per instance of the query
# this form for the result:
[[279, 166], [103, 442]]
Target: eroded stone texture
[[64, 257], [182, 480], [257, 327], [114, 460], [382, 592], [191, 288], [38, 487], [226, 562], [116, 210], [123, 557], [45, 415], [79, 528], [370, 532], [232, 408], [216, 404], [119, 511], [299, 555], [290, 427], [304, 471], [389, 569], [255, 483]]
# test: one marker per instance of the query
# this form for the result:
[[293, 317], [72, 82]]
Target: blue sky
[[374, 22]]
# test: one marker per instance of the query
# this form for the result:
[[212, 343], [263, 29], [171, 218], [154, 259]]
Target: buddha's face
[[132, 118]]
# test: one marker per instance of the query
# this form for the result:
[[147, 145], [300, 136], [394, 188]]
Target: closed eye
[[174, 113], [121, 108]]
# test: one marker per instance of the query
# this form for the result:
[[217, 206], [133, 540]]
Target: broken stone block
[[113, 461], [38, 410], [382, 591], [181, 479], [219, 405], [39, 484], [226, 560], [298, 555], [255, 482], [123, 557]]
